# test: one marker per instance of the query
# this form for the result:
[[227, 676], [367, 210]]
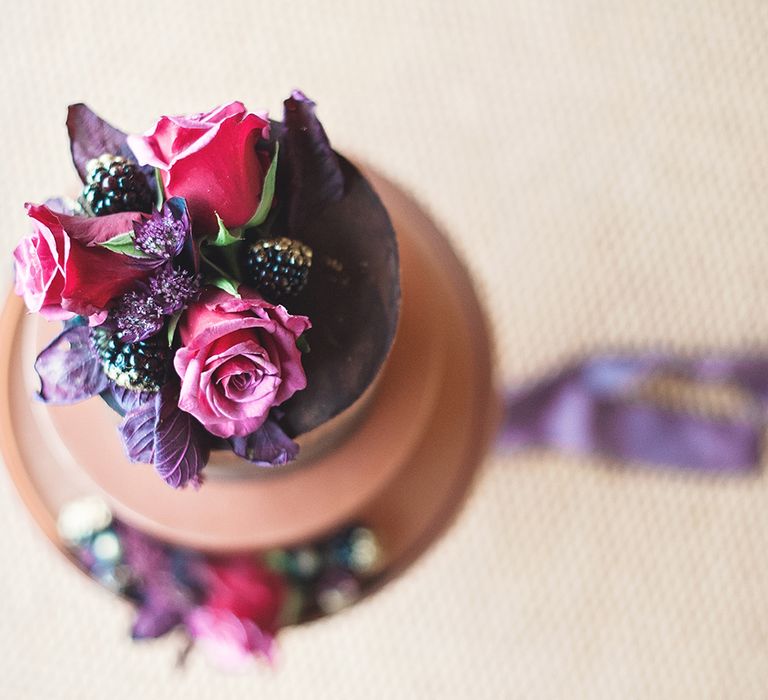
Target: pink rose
[[41, 261], [238, 360], [60, 269], [211, 160], [241, 612]]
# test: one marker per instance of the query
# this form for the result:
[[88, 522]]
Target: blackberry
[[137, 366], [356, 549], [278, 267], [114, 184]]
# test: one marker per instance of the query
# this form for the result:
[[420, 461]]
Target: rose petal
[[225, 337], [211, 160]]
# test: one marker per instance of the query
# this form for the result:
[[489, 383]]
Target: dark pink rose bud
[[211, 160]]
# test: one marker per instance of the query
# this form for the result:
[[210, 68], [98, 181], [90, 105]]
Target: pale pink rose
[[239, 617], [62, 271], [40, 261], [229, 641], [211, 160], [238, 359]]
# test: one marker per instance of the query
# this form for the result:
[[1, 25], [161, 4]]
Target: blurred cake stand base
[[403, 466]]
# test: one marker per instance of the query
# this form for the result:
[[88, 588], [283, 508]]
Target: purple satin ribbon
[[592, 407]]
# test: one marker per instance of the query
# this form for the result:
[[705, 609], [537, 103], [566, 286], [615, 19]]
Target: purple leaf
[[90, 137], [147, 557], [316, 177], [138, 433], [181, 444], [69, 369], [123, 400], [158, 614], [164, 600], [269, 446]]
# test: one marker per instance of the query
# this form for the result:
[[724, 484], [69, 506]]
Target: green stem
[[231, 256], [207, 261]]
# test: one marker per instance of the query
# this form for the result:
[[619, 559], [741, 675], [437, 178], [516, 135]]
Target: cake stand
[[401, 460]]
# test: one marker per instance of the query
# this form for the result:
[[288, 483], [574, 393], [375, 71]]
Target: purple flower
[[137, 317], [163, 234], [171, 290], [141, 312]]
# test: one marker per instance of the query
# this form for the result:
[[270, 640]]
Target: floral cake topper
[[225, 282], [232, 606]]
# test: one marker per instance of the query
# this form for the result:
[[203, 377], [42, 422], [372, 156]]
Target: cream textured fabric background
[[602, 167]]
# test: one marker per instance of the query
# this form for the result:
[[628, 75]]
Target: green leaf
[[226, 284], [267, 193], [224, 236], [160, 194], [172, 325], [124, 244], [302, 344]]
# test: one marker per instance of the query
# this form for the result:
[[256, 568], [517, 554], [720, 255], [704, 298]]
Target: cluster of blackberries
[[278, 267], [137, 366], [114, 184]]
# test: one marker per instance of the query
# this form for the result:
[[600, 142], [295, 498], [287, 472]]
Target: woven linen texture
[[601, 167]]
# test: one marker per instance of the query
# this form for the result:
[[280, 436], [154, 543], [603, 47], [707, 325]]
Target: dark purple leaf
[[69, 369], [269, 446], [146, 556], [90, 136], [158, 614], [138, 433], [315, 174], [164, 600], [123, 400], [352, 298], [181, 444]]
